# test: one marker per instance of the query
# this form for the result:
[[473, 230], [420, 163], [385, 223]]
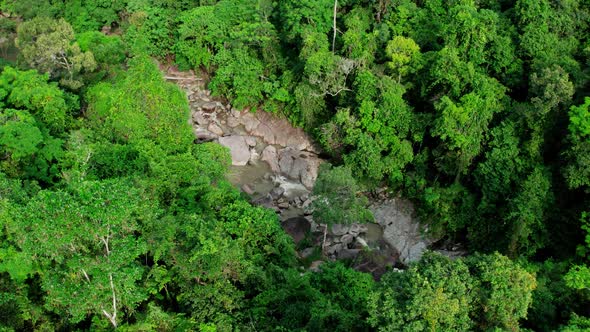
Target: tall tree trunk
[[324, 241], [334, 28]]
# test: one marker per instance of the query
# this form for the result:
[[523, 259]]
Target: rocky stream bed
[[277, 165]]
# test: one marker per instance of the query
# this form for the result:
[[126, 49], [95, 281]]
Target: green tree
[[83, 246], [577, 171], [437, 294], [298, 16], [33, 114], [503, 291], [404, 54], [462, 125], [30, 91], [140, 106], [49, 46], [432, 295], [578, 276], [338, 199]]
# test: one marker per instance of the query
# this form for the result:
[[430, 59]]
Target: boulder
[[247, 189], [315, 228], [209, 106], [265, 132], [240, 152], [297, 228], [305, 253], [334, 249], [277, 192], [200, 119], [254, 156], [338, 229], [400, 229], [251, 141], [355, 229], [232, 122], [362, 242], [267, 202], [348, 253], [249, 121], [311, 172], [286, 159], [275, 130], [235, 113], [346, 239], [299, 165], [204, 134], [269, 154], [214, 128]]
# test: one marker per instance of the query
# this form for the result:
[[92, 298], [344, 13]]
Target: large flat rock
[[401, 229], [299, 165], [240, 151]]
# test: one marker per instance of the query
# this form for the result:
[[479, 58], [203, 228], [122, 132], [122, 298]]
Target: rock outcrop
[[239, 149], [253, 135], [258, 138], [401, 229]]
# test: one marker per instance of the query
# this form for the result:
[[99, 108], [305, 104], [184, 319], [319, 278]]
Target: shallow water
[[374, 238], [254, 175], [291, 212]]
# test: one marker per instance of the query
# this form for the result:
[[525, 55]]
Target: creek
[[277, 165]]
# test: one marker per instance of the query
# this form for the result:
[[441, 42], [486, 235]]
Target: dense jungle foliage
[[112, 218]]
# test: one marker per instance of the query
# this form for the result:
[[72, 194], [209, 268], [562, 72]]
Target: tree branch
[[112, 317]]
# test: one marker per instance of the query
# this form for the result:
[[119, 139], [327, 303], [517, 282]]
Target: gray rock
[[251, 141], [267, 202], [315, 228], [362, 242], [286, 159], [247, 189], [275, 130], [269, 154], [214, 128], [240, 152], [400, 230], [277, 192], [311, 172], [254, 156], [297, 228], [305, 253], [209, 106], [232, 122], [264, 131], [334, 249], [339, 230], [283, 205], [355, 229], [200, 119], [299, 165], [249, 121], [204, 134], [346, 239], [348, 253]]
